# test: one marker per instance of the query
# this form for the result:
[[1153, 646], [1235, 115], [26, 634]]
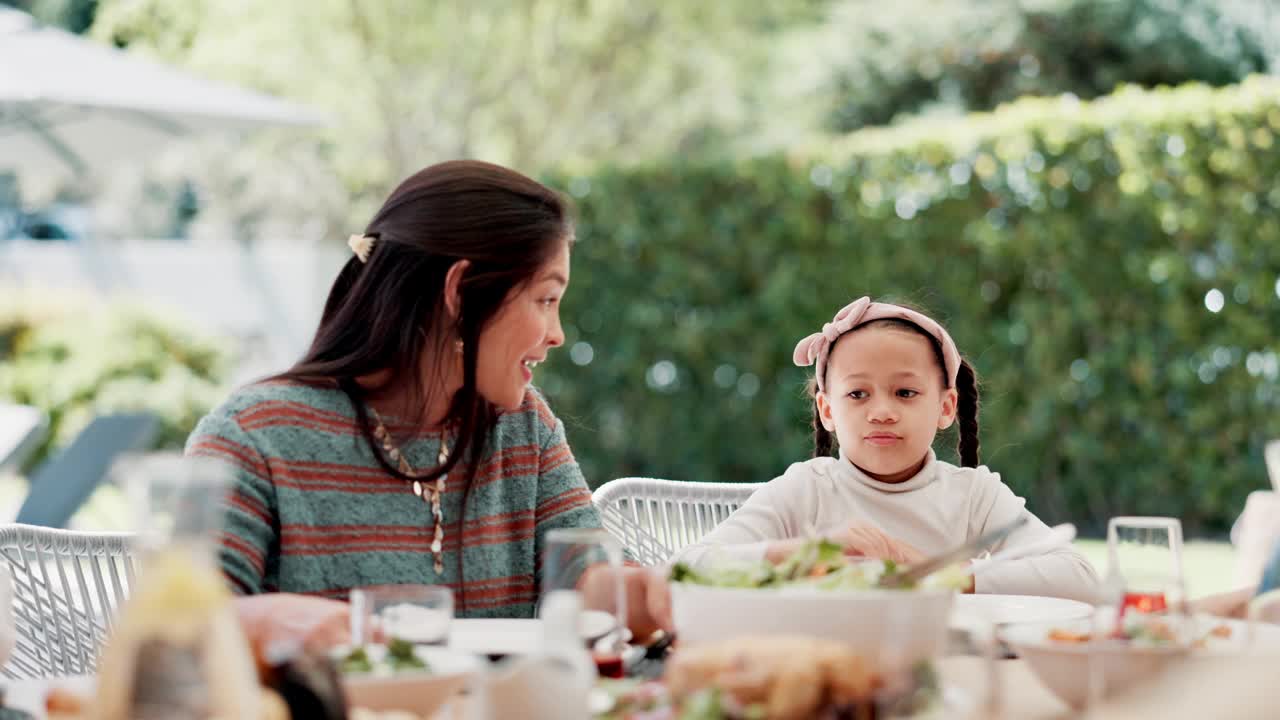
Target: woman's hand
[[653, 593], [313, 622], [1233, 604], [648, 597]]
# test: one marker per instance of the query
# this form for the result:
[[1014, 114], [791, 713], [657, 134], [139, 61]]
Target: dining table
[[1241, 688], [1019, 694]]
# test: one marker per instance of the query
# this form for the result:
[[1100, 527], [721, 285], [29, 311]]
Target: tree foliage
[[534, 84], [966, 55], [75, 361]]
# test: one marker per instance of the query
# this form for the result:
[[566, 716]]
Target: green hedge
[[1072, 248], [76, 360]]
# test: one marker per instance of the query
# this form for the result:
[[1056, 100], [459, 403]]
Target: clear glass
[[1100, 643], [176, 650], [912, 688], [175, 499], [1144, 615], [420, 614], [1145, 564], [982, 642], [590, 562]]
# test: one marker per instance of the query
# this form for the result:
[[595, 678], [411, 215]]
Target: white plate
[[957, 704], [484, 636], [1018, 609], [1265, 638]]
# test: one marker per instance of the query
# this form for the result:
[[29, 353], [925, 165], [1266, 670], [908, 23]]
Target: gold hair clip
[[361, 245]]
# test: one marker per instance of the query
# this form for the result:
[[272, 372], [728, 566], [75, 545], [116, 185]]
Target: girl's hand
[[780, 550], [870, 542], [858, 541]]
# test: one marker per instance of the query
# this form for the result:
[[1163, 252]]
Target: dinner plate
[[492, 636], [1017, 609], [1262, 638]]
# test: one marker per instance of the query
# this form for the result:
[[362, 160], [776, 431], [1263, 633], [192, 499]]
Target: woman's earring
[[457, 346]]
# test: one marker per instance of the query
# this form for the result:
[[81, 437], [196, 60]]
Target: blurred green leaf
[[76, 359]]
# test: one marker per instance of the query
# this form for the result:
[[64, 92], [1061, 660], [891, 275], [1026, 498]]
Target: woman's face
[[520, 335]]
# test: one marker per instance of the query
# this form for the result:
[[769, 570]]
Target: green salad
[[399, 656], [819, 564]]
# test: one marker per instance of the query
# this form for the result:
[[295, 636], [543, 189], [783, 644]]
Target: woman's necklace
[[428, 494]]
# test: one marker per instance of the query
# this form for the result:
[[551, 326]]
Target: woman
[[407, 445], [1235, 603]]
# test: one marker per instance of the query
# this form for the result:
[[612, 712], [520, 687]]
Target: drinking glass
[[420, 614], [589, 561], [176, 650], [1145, 565], [1144, 611]]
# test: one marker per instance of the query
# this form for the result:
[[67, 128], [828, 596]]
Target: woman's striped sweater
[[312, 511]]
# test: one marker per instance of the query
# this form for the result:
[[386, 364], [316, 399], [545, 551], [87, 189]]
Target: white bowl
[[1064, 667], [418, 691], [893, 628]]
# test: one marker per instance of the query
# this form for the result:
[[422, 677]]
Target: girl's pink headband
[[813, 350]]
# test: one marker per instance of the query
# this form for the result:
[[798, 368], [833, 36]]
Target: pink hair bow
[[813, 350]]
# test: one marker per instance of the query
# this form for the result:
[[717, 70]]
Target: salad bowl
[[816, 593], [402, 676]]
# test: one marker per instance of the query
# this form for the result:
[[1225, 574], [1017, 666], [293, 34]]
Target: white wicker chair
[[655, 518], [66, 587]]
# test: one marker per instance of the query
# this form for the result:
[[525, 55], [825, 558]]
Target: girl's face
[[885, 400], [521, 334]]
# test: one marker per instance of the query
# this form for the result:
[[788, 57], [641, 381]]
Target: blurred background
[[1083, 191]]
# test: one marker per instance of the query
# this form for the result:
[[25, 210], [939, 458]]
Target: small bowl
[[418, 691], [1063, 667]]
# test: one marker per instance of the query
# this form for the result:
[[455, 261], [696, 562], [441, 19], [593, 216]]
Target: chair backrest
[[22, 429], [62, 484], [66, 587], [656, 518]]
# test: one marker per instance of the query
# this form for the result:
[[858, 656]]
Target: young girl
[[887, 380]]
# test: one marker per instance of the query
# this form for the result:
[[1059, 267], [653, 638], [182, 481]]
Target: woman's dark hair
[[966, 397], [389, 314]]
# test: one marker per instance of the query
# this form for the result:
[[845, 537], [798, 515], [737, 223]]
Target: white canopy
[[68, 104]]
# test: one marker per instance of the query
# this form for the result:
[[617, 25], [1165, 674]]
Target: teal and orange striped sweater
[[313, 512]]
